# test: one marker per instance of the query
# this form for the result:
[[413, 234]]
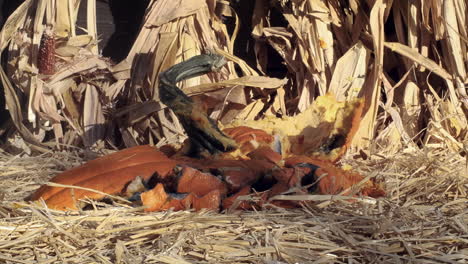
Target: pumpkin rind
[[210, 201], [108, 174], [199, 183]]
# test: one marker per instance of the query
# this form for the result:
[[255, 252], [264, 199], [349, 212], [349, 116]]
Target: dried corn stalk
[[72, 91], [338, 46], [407, 59]]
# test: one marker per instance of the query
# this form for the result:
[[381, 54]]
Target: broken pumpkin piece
[[154, 199], [238, 177], [113, 162], [210, 201], [112, 182], [325, 129], [266, 153], [346, 124], [249, 138], [238, 174], [178, 202], [373, 189], [109, 174], [333, 180], [244, 134], [231, 202], [199, 183], [302, 174], [235, 173]]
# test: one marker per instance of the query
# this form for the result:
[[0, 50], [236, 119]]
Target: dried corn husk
[[412, 74]]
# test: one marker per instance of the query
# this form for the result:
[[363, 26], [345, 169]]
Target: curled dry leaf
[[418, 58]]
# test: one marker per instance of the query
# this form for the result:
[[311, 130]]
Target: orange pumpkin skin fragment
[[336, 180], [235, 173], [109, 183], [178, 204], [244, 134], [373, 189], [249, 138], [199, 183], [333, 180], [229, 201], [267, 154], [210, 201], [155, 198], [240, 173], [108, 174]]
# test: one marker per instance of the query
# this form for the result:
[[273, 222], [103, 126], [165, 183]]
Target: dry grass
[[424, 219]]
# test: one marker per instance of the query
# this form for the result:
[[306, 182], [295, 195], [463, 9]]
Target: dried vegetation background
[[408, 59]]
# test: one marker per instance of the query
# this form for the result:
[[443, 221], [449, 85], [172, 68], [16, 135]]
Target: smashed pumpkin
[[257, 158], [181, 182]]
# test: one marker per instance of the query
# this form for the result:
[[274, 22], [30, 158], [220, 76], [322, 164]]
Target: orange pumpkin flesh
[[155, 198]]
